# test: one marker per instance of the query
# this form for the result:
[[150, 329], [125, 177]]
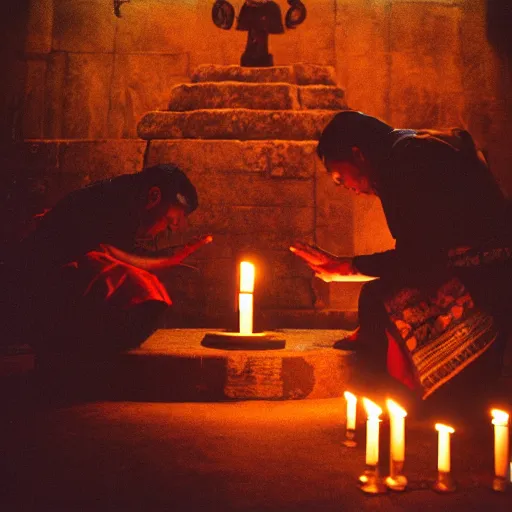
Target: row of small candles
[[370, 480]]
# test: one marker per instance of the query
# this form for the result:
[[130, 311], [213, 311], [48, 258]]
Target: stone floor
[[241, 456], [69, 452]]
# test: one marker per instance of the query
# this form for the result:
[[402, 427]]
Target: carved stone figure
[[258, 18]]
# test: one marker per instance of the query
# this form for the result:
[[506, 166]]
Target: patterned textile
[[442, 331]]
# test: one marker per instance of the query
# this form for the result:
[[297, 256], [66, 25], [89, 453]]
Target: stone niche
[[247, 139]]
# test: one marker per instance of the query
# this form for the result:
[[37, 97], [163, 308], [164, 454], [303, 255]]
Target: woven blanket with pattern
[[441, 331]]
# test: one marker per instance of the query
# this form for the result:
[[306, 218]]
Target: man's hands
[[152, 264], [325, 265], [191, 247]]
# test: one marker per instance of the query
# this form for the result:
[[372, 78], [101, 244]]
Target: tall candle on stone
[[397, 426], [372, 432], [501, 443], [351, 410], [245, 297], [443, 452]]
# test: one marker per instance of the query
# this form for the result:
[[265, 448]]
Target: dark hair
[[174, 184], [351, 128]]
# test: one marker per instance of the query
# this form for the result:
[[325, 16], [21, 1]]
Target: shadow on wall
[[499, 25], [13, 33]]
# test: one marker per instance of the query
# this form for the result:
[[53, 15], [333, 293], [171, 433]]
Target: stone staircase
[[231, 102], [247, 139]]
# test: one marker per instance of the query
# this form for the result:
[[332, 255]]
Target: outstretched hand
[[326, 266], [155, 264], [312, 255], [191, 247]]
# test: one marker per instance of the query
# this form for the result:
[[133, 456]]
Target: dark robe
[[65, 293], [437, 198]]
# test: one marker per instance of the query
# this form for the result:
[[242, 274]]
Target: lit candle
[[443, 452], [501, 445], [372, 432], [350, 431], [370, 480], [444, 482], [397, 427], [396, 480], [245, 297], [351, 410]]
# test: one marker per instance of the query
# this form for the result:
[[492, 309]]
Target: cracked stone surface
[[241, 124], [302, 74]]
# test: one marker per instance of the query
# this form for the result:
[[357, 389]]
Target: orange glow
[[499, 417], [351, 409], [443, 451], [395, 410], [444, 428], [372, 409], [501, 443], [247, 273], [372, 432], [397, 434]]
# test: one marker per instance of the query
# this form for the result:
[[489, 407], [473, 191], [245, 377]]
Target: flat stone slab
[[258, 96], [308, 366], [276, 96], [172, 365], [322, 97], [302, 74], [239, 124]]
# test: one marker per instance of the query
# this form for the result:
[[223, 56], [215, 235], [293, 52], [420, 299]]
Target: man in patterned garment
[[442, 296]]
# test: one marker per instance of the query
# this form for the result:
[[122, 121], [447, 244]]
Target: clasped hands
[[326, 266]]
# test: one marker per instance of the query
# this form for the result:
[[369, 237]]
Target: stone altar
[[247, 139]]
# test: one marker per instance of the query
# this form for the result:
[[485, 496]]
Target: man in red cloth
[[81, 280], [442, 297]]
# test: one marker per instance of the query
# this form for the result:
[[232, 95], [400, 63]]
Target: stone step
[[172, 365], [238, 124], [258, 96], [232, 159], [301, 74]]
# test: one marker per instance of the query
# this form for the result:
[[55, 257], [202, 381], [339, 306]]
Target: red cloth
[[398, 365], [122, 285]]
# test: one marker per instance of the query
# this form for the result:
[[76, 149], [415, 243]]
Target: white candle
[[245, 306], [247, 272], [397, 430], [501, 443], [372, 432], [443, 452], [245, 297], [351, 410]]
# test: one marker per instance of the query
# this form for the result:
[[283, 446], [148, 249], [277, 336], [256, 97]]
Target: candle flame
[[444, 428], [395, 409], [372, 409], [349, 397], [246, 277], [499, 417]]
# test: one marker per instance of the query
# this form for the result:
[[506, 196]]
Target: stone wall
[[424, 63], [90, 77], [412, 62]]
